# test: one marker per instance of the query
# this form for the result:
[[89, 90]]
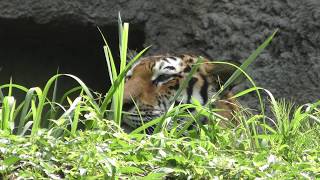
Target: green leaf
[[130, 170], [154, 176], [246, 91], [26, 108], [250, 59], [11, 160]]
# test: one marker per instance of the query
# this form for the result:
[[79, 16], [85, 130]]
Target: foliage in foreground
[[110, 152], [289, 149]]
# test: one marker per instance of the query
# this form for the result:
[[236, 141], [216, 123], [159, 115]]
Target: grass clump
[[40, 136], [110, 152]]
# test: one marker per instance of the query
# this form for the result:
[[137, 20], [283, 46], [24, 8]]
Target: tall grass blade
[[42, 96], [147, 125], [8, 107], [68, 93], [10, 87], [246, 91], [75, 109], [119, 79], [117, 94], [54, 98], [112, 70], [17, 86], [1, 96], [123, 60], [25, 109], [120, 29], [249, 60], [298, 119]]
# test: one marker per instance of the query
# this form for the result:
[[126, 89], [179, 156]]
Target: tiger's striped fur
[[154, 80]]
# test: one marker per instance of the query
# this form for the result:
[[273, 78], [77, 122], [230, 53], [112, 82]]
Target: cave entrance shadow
[[31, 53]]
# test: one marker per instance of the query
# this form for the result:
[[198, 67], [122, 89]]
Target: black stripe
[[175, 87], [166, 60], [170, 68], [204, 90], [176, 75], [164, 105], [150, 130], [173, 58], [159, 102], [192, 81], [187, 69], [152, 65]]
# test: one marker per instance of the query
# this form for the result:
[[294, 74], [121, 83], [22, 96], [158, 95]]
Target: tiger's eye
[[127, 78], [161, 78]]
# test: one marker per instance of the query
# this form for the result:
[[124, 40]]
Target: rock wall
[[224, 29]]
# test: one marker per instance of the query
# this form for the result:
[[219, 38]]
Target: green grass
[[40, 137]]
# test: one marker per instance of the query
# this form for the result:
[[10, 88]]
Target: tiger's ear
[[224, 71], [131, 54]]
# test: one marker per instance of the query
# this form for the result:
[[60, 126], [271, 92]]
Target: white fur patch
[[167, 65], [129, 73]]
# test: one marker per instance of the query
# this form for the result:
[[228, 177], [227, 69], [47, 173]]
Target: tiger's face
[[152, 83]]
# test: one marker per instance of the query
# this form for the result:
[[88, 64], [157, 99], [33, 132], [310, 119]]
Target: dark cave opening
[[31, 53]]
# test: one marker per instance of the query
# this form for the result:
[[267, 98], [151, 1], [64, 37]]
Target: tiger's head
[[152, 83]]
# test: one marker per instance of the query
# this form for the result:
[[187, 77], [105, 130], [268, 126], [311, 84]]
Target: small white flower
[[231, 163], [27, 144], [82, 171], [38, 154], [272, 159], [162, 153], [3, 150], [112, 161], [143, 141], [53, 176], [90, 115], [305, 175], [4, 141], [24, 156], [2, 168], [213, 162], [264, 167], [305, 157], [216, 178]]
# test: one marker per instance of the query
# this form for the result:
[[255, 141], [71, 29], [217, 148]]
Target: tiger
[[152, 82]]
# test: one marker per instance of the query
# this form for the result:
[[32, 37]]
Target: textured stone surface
[[290, 67]]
